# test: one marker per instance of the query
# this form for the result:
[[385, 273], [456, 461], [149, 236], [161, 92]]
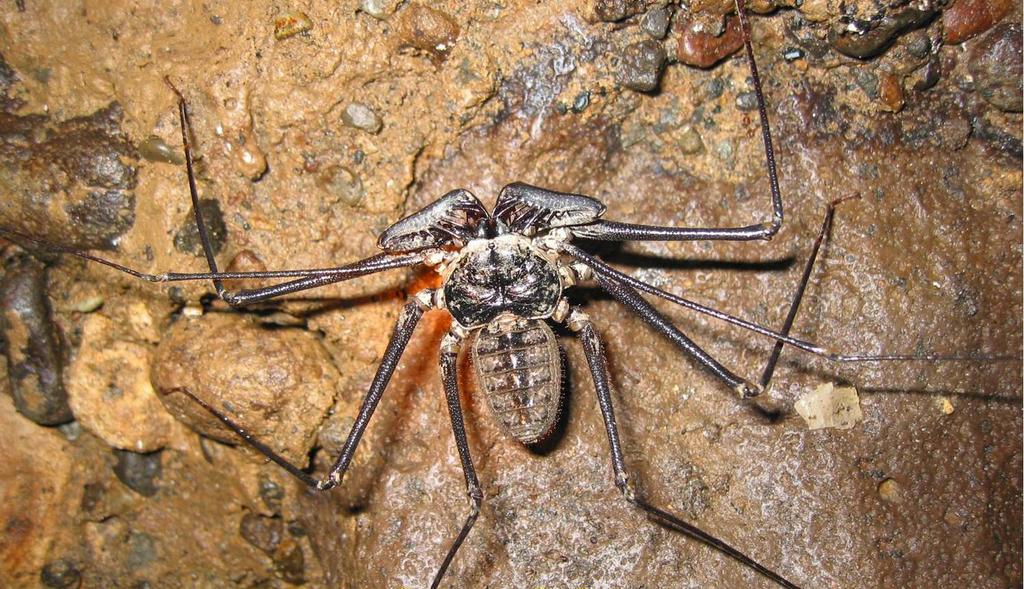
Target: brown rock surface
[[928, 259]]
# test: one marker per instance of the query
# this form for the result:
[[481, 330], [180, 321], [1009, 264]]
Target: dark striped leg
[[613, 231], [244, 297], [581, 324], [449, 375], [407, 321], [629, 297], [826, 224]]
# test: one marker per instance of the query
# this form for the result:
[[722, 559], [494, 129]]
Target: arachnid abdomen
[[519, 369]]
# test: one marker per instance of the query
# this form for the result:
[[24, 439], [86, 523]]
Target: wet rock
[[919, 44], [61, 574], [379, 9], [291, 23], [70, 183], [701, 49], [890, 92], [138, 471], [655, 22], [276, 383], [969, 18], [110, 392], [876, 40], [995, 63], [429, 30], [641, 66], [616, 10], [361, 117], [33, 347], [187, 241], [155, 149]]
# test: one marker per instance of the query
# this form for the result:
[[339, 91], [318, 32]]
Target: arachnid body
[[809, 506]]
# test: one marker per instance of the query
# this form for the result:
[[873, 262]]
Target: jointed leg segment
[[581, 324]]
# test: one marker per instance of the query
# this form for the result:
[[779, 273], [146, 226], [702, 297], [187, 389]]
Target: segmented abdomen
[[519, 369]]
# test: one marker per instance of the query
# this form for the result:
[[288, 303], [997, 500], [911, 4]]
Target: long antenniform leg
[[581, 324], [449, 375], [407, 320], [614, 231], [306, 281]]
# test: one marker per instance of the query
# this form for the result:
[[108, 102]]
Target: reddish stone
[[969, 18], [704, 50]]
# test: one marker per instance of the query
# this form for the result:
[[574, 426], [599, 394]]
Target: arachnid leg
[[377, 263], [629, 297], [407, 320], [794, 307], [579, 323], [449, 375]]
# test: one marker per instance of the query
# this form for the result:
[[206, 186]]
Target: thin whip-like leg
[[794, 307], [601, 269], [449, 375], [248, 296], [581, 324], [407, 320], [614, 231]]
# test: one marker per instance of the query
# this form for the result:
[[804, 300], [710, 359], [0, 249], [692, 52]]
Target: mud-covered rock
[[427, 29], [641, 66], [34, 490], [35, 360], [995, 63], [275, 383], [110, 392], [70, 183]]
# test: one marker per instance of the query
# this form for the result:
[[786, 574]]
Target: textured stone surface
[[917, 494]]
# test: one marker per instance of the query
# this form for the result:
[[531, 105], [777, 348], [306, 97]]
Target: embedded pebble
[[747, 101], [186, 239], [61, 574], [271, 493], [703, 50], [262, 531], [919, 44], [890, 92], [427, 29], [965, 19], [995, 63], [689, 141], [34, 355], [616, 10], [641, 66], [379, 9], [110, 392], [875, 41], [344, 184], [73, 184], [138, 471], [945, 405], [276, 383], [655, 22], [291, 23], [928, 75], [141, 550], [890, 491], [155, 149], [361, 117], [291, 564]]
